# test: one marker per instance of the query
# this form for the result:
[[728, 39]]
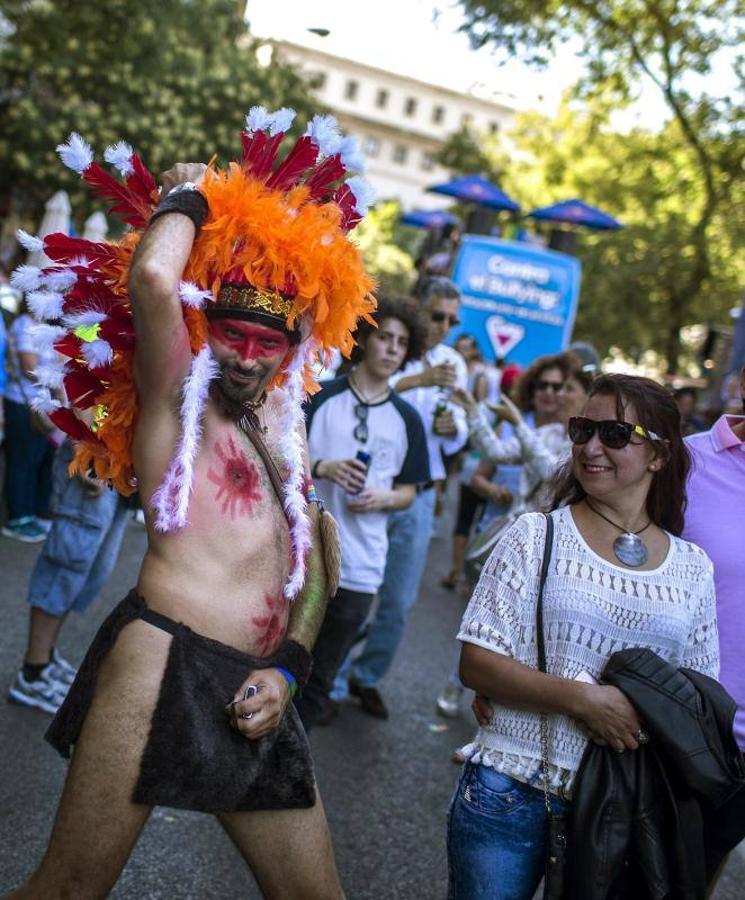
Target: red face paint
[[249, 341]]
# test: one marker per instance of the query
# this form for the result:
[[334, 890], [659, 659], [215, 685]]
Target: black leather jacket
[[656, 823]]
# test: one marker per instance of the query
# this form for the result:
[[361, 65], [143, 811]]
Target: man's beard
[[232, 398]]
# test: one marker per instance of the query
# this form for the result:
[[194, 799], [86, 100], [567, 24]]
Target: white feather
[[29, 241], [281, 120], [257, 119], [97, 353], [26, 278], [364, 193], [51, 375], [120, 156], [59, 279], [86, 317], [191, 294], [351, 154], [45, 304], [170, 502], [324, 132], [44, 337], [76, 154], [44, 402]]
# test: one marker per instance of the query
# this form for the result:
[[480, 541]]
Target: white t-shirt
[[397, 446], [592, 608], [21, 340], [425, 401]]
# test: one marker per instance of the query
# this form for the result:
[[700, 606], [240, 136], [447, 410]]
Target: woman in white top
[[619, 577]]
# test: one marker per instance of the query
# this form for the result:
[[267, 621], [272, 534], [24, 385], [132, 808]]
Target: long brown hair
[[526, 383], [656, 411]]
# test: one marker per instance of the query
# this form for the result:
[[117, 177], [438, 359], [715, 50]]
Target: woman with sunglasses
[[619, 576]]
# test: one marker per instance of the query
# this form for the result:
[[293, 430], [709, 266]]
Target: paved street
[[385, 784]]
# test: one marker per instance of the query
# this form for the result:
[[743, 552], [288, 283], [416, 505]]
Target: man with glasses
[[426, 385], [359, 415]]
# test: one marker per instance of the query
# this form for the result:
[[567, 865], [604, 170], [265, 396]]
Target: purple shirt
[[715, 520]]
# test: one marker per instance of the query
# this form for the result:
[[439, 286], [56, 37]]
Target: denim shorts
[[82, 546], [496, 836]]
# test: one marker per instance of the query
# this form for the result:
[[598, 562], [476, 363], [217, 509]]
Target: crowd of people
[[597, 548]]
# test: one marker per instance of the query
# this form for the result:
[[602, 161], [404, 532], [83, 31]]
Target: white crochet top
[[592, 608]]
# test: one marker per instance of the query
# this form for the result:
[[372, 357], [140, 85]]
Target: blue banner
[[518, 301]]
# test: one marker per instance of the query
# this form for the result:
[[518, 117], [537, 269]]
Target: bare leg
[[97, 824], [43, 631], [289, 852]]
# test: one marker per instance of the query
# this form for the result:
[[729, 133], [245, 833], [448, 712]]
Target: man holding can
[[368, 452]]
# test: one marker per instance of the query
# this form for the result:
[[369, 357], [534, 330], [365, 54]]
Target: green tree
[[625, 42], [381, 241], [172, 77]]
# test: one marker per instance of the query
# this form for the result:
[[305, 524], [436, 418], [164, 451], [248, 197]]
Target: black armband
[[296, 659], [185, 200]]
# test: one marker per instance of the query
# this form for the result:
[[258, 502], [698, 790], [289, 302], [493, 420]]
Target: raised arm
[[162, 354]]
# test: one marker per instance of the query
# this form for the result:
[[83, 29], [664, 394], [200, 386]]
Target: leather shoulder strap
[[271, 468], [539, 604]]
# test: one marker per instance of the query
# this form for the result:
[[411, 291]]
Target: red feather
[[106, 186], [82, 387], [143, 189], [347, 203], [302, 157], [68, 422], [62, 248], [322, 180]]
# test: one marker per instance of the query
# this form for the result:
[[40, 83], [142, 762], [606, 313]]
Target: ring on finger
[[247, 715], [642, 736]]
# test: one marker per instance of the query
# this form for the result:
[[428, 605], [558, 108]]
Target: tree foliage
[[625, 42], [382, 241], [174, 78]]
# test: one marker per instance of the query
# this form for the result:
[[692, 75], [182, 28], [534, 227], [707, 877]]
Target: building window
[[410, 106], [371, 146], [400, 154], [318, 80], [381, 98], [427, 162], [350, 90], [438, 115], [493, 127]]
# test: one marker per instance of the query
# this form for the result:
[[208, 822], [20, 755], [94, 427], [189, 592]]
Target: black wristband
[[191, 204], [314, 471], [296, 659]]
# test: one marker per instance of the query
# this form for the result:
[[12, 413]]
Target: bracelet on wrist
[[314, 471], [290, 679], [294, 660], [187, 200]]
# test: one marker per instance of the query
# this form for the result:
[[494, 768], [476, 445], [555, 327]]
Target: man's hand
[[442, 375], [262, 713], [506, 410], [499, 494], [181, 173], [372, 500], [349, 474], [609, 718], [444, 425]]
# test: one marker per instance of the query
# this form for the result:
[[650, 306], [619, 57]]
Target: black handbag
[[556, 846]]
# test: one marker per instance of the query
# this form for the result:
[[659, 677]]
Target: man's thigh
[[97, 824], [289, 852]]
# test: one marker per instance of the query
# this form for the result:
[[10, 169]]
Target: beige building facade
[[401, 122]]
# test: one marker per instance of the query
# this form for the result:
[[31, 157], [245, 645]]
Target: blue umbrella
[[575, 212], [432, 218], [476, 189]]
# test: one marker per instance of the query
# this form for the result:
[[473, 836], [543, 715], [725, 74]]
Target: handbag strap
[[540, 641], [541, 644]]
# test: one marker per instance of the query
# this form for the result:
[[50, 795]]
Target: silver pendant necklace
[[629, 548]]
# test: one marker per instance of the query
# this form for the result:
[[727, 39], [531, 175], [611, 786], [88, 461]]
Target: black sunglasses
[[360, 432], [612, 433], [554, 386], [439, 316]]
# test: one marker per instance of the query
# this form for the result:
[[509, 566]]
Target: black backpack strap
[[539, 604]]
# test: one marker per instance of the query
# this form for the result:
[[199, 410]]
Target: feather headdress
[[275, 239]]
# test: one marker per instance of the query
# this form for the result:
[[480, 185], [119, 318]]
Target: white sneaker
[[448, 703], [45, 693], [61, 669]]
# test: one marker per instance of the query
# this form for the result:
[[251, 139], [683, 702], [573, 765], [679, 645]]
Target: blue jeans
[[82, 546], [496, 836], [28, 464], [409, 532]]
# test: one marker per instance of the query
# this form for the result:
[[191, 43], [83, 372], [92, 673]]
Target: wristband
[[187, 200], [314, 471], [290, 679], [294, 660]]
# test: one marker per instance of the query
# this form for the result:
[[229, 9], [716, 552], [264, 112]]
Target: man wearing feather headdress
[[189, 344]]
